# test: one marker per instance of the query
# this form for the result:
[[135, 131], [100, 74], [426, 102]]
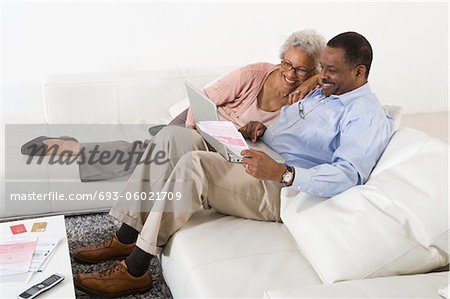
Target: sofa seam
[[237, 258]]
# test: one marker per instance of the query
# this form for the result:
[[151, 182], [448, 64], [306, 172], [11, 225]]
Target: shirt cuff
[[302, 180]]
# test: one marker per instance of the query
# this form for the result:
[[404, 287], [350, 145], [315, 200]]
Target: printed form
[[226, 133]]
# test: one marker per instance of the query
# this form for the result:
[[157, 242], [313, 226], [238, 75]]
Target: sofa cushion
[[397, 223], [215, 255], [407, 286], [126, 98]]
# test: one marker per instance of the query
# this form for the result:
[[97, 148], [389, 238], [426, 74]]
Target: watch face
[[287, 177]]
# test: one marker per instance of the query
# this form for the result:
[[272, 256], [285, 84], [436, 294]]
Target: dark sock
[[126, 234], [138, 262]]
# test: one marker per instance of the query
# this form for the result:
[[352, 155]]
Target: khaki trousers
[[205, 179]]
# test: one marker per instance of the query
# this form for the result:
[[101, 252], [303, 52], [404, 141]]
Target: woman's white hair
[[307, 40]]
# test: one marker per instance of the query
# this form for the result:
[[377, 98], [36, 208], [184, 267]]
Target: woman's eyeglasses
[[300, 71]]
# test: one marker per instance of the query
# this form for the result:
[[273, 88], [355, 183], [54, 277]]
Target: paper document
[[226, 133], [19, 279], [16, 256], [44, 248]]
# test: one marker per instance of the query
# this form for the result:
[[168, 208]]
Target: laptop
[[206, 110]]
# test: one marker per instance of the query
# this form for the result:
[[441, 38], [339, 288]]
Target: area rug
[[93, 228]]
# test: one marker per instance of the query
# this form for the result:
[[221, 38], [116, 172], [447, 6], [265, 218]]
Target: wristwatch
[[288, 176]]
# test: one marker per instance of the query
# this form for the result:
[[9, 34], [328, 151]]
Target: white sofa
[[216, 255], [355, 244]]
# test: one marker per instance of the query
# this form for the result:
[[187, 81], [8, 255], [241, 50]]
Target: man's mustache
[[325, 82]]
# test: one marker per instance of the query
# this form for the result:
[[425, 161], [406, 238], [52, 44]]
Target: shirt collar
[[345, 97]]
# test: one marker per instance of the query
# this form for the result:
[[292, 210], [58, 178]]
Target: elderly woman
[[255, 92]]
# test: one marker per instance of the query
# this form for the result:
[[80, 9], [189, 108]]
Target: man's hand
[[304, 89], [253, 130], [259, 165]]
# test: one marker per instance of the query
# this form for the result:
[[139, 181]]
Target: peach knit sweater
[[235, 95]]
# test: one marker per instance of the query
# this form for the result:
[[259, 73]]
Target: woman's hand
[[253, 130], [304, 89]]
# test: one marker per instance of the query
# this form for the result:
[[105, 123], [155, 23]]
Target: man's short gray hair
[[307, 40]]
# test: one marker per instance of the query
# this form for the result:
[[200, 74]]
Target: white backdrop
[[410, 42]]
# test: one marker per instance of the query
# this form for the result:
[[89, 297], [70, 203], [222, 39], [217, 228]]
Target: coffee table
[[59, 261]]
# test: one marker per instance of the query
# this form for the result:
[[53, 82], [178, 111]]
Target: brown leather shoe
[[111, 248], [113, 282]]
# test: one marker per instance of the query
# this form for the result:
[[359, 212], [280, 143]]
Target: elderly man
[[331, 140]]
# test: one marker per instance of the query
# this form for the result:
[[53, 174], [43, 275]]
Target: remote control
[[41, 287]]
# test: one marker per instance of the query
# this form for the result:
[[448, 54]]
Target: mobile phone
[[41, 287]]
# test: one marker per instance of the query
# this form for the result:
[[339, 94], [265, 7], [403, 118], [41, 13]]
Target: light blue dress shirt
[[334, 142]]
